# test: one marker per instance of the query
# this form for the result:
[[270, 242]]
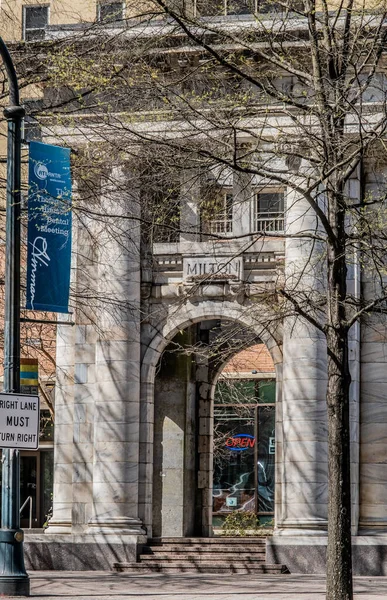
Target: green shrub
[[244, 523]]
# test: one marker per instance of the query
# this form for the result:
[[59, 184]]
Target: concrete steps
[[191, 557], [206, 567], [203, 555], [242, 541], [205, 550]]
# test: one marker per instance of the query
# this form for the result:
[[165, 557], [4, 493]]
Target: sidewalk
[[60, 585]]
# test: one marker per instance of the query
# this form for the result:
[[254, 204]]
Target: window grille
[[217, 213], [35, 22], [269, 211]]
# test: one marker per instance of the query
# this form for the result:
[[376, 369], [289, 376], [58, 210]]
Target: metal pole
[[14, 580]]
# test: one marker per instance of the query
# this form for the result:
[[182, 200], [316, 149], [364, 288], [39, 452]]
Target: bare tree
[[295, 97], [319, 68]]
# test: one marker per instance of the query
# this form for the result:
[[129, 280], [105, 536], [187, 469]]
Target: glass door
[[36, 485], [29, 489], [265, 427]]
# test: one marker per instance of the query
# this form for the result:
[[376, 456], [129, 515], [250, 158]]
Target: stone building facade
[[134, 428]]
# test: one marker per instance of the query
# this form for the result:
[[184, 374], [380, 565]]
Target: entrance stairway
[[203, 555]]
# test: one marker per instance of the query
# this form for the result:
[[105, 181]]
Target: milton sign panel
[[207, 268], [19, 421]]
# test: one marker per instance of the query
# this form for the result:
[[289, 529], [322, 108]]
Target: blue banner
[[49, 228]]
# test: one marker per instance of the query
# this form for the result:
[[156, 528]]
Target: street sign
[[29, 376], [19, 421]]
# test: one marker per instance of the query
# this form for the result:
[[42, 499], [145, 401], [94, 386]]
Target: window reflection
[[244, 448]]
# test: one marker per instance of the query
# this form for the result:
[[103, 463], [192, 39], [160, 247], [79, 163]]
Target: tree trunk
[[339, 553], [339, 556]]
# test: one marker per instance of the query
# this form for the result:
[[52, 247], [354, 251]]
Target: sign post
[[14, 580]]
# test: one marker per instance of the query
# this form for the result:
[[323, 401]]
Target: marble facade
[[133, 449]]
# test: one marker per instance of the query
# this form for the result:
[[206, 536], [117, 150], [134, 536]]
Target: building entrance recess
[[212, 456]]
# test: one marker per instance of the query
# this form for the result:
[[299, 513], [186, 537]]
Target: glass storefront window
[[235, 391], [234, 450], [46, 433], [265, 391], [244, 448]]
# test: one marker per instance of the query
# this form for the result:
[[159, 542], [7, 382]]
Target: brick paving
[[56, 585]]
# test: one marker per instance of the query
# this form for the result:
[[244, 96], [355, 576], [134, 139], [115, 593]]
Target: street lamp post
[[14, 580]]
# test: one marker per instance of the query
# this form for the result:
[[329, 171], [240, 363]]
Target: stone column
[[242, 197], [61, 520], [373, 427], [190, 206], [117, 407], [84, 373], [304, 489], [353, 287], [242, 204], [373, 393], [205, 392], [174, 441]]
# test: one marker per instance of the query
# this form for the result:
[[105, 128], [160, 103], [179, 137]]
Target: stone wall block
[[374, 453], [64, 433], [115, 412], [83, 432], [83, 472], [83, 452], [118, 471], [311, 451], [85, 353], [293, 431], [108, 452], [64, 491]]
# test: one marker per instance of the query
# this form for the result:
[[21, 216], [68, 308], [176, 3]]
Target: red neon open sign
[[240, 441]]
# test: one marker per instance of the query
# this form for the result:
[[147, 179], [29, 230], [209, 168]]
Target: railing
[[270, 222], [29, 499], [220, 226]]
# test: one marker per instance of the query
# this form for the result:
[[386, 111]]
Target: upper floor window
[[208, 8], [35, 20], [216, 212], [160, 205], [269, 211], [110, 11]]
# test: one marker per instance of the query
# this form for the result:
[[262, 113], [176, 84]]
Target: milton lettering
[[221, 268]]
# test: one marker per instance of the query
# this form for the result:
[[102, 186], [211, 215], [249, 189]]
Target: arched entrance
[[179, 388]]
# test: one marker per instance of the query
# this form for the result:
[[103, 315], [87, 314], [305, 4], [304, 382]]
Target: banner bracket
[[46, 321]]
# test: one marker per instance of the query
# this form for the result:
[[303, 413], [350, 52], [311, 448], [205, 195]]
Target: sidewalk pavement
[[61, 585]]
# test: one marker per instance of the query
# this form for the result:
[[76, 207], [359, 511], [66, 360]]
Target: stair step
[[203, 555], [202, 558], [242, 541], [202, 568], [205, 549]]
